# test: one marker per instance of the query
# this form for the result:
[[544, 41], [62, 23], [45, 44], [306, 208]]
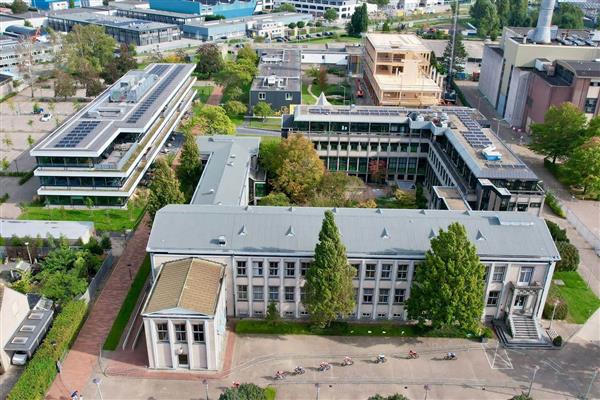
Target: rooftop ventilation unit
[[490, 154], [222, 241]]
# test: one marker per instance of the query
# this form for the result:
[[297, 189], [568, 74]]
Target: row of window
[[373, 146], [383, 296], [289, 293], [258, 268], [162, 331]]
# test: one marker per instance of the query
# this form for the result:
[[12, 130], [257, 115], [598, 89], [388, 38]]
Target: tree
[[247, 53], [558, 234], [19, 7], [448, 289], [503, 11], [23, 285], [262, 109], [568, 16], [62, 286], [381, 3], [300, 24], [584, 165], [209, 59], [330, 15], [235, 107], [518, 13], [272, 313], [292, 25], [246, 391], [239, 73], [359, 22], [86, 48], [274, 199], [285, 7], [561, 132], [126, 61], [64, 85], [460, 54], [213, 120], [336, 189], [484, 15], [300, 169], [105, 242], [569, 257], [385, 27], [235, 93], [328, 287], [322, 78], [5, 164], [93, 87], [164, 188], [270, 157], [378, 170], [190, 166]]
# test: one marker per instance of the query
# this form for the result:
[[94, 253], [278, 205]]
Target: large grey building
[[279, 79]]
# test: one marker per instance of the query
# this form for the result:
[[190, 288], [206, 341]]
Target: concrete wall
[[517, 96], [15, 308], [333, 58], [491, 72], [541, 96]]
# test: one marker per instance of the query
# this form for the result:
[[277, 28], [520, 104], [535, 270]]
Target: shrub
[[554, 205], [41, 369], [105, 242], [569, 257], [395, 396], [562, 309], [558, 234], [557, 341], [272, 313], [521, 396], [246, 391]]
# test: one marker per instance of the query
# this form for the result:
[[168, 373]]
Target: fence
[[583, 230], [92, 290]]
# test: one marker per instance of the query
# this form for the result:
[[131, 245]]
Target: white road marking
[[500, 360]]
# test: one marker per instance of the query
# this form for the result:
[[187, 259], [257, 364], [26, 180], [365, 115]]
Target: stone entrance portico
[[524, 300]]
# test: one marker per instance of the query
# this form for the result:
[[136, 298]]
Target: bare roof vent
[[222, 241]]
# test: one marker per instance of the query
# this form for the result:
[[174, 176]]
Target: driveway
[[479, 373]]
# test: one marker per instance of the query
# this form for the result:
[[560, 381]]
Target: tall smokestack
[[541, 33]]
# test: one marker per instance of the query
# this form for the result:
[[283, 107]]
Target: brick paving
[[83, 357], [215, 97]]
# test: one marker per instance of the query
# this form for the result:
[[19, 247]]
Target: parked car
[[19, 358], [46, 117]]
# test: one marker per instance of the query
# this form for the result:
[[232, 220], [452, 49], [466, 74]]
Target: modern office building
[[550, 84], [279, 79], [103, 150], [508, 68], [398, 71], [344, 8], [54, 5], [166, 17], [228, 9], [349, 56], [125, 30], [450, 150], [14, 54]]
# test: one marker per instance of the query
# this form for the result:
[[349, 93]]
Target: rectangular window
[[257, 268], [241, 268], [302, 294], [386, 271], [402, 274], [367, 295], [162, 331], [290, 269], [384, 296], [273, 268], [492, 299], [273, 293], [399, 296], [304, 268], [198, 331], [526, 275], [289, 293], [590, 105], [370, 271], [183, 360], [180, 333], [288, 96], [242, 292], [258, 293], [499, 272]]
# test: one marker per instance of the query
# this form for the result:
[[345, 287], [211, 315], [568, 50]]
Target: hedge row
[[41, 369], [554, 205]]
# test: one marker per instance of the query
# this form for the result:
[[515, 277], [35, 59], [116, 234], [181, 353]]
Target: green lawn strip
[[343, 329], [237, 119], [270, 393], [581, 300], [269, 124], [204, 92], [392, 202], [104, 220], [114, 336], [307, 98]]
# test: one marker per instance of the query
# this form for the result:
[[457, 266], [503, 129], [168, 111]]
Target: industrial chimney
[[541, 33]]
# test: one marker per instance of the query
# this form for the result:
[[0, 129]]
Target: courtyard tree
[[86, 48], [292, 25], [330, 15], [210, 60], [262, 109], [247, 53], [378, 170], [584, 166], [64, 85], [460, 55], [285, 7], [274, 199], [164, 188], [213, 120], [234, 108], [236, 74], [448, 288], [359, 22], [124, 62], [503, 11], [328, 287], [562, 131], [19, 7], [485, 18], [518, 14], [190, 166], [300, 24], [322, 78], [300, 169], [568, 16]]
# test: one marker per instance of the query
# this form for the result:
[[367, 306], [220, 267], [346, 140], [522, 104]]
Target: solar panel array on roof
[[156, 93], [77, 134], [359, 111], [158, 69], [474, 135]]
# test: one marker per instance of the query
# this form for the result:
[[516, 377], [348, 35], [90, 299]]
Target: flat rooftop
[[583, 69], [131, 24], [278, 69], [227, 162], [467, 130], [149, 11], [71, 230], [27, 336], [273, 17], [248, 230], [396, 42], [95, 126]]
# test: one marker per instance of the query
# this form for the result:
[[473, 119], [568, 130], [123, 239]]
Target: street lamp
[[318, 386], [205, 383], [97, 383], [535, 370], [553, 311], [589, 389], [28, 253]]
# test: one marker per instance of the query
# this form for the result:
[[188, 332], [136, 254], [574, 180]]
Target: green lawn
[[340, 329], [581, 300], [116, 331], [104, 220], [393, 202], [271, 393], [203, 92], [269, 124], [237, 119], [306, 97]]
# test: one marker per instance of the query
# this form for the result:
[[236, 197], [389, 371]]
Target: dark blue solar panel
[[77, 134]]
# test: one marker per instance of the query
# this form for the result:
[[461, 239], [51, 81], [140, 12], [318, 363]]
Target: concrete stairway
[[524, 328]]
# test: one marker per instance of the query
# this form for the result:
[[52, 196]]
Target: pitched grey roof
[[197, 229]]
